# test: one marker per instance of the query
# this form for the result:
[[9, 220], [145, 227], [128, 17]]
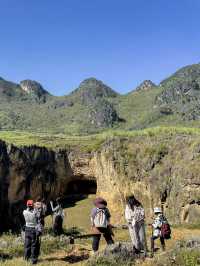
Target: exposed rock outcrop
[[102, 114], [29, 172], [181, 93], [159, 170], [34, 90], [91, 89], [146, 85]]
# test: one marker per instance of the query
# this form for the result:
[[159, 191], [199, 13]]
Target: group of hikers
[[100, 222]]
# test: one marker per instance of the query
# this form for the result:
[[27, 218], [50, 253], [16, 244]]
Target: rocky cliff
[[29, 172], [159, 170]]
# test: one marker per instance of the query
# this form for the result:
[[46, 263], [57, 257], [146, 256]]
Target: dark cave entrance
[[82, 187]]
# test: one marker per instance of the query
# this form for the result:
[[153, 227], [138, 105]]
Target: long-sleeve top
[[134, 216], [157, 223], [58, 210]]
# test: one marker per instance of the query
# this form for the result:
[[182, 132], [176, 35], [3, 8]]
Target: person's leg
[[153, 238], [27, 246], [107, 233], [108, 237], [162, 241], [56, 226], [38, 246], [142, 238], [34, 247], [95, 242], [133, 238]]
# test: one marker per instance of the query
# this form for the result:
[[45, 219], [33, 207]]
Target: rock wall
[[29, 172], [159, 171]]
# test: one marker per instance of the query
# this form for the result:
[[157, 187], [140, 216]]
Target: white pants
[[138, 236]]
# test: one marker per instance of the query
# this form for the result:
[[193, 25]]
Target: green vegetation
[[90, 142], [94, 107]]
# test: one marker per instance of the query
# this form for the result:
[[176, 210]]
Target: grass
[[90, 142], [56, 253]]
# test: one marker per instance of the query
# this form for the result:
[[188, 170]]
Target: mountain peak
[[91, 88], [32, 86], [97, 86], [34, 89], [146, 85]]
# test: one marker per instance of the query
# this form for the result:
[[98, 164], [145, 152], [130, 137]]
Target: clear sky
[[122, 42]]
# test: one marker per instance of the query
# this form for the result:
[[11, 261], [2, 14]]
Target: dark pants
[[96, 239], [58, 226], [162, 241], [32, 245]]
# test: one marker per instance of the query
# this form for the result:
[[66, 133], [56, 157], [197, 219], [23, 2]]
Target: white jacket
[[134, 216], [157, 223]]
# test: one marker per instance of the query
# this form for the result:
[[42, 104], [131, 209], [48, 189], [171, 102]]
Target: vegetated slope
[[94, 107]]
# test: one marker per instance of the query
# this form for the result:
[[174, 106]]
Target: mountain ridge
[[94, 106]]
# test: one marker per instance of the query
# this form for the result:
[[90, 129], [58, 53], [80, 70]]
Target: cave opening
[[82, 187]]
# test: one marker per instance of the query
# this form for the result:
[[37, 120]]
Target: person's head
[[39, 199], [58, 201], [132, 202], [157, 210], [100, 203], [30, 204]]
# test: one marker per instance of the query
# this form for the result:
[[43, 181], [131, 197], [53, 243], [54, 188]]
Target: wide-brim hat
[[157, 210], [100, 202]]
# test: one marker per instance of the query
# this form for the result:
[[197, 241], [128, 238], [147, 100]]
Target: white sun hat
[[157, 210]]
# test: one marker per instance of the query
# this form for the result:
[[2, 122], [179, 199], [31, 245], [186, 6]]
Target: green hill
[[95, 107]]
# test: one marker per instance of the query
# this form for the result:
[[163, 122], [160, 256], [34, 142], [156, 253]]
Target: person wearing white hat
[[156, 227]]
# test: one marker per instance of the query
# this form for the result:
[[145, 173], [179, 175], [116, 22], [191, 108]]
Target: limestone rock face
[[34, 89], [29, 172], [159, 170], [158, 174], [91, 89], [146, 85], [181, 93]]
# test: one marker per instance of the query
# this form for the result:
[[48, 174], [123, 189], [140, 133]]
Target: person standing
[[100, 220], [40, 212], [41, 209], [161, 229], [31, 239], [134, 215], [58, 217]]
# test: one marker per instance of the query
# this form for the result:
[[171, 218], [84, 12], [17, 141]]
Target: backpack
[[166, 231], [100, 219]]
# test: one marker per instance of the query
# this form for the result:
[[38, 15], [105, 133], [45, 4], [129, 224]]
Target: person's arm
[[44, 209], [53, 209], [128, 216], [108, 215], [157, 223], [93, 213], [23, 224]]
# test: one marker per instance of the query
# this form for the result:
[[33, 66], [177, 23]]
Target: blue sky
[[122, 42]]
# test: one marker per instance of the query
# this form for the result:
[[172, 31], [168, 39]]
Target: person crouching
[[100, 219], [31, 237]]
